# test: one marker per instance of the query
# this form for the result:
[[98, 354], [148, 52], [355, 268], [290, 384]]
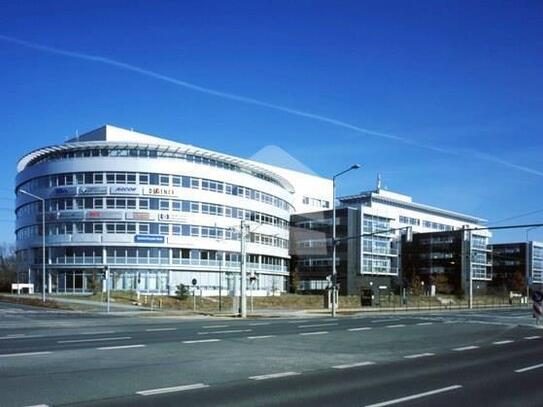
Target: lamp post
[[527, 258], [334, 242], [42, 235]]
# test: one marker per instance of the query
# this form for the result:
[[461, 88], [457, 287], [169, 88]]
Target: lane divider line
[[261, 337], [230, 331], [362, 328], [350, 365], [121, 347], [502, 342], [419, 355], [424, 323], [395, 326], [259, 323], [316, 325], [160, 329], [313, 333], [415, 396], [532, 337], [215, 326], [526, 369], [173, 389], [463, 348], [119, 338], [9, 355], [274, 375], [202, 341], [97, 333]]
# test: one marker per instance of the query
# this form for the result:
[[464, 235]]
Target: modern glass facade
[[157, 213]]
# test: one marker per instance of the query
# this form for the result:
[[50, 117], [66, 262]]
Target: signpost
[[194, 283]]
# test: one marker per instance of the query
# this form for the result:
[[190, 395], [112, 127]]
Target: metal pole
[[220, 283], [528, 261], [243, 272], [43, 246], [334, 271]]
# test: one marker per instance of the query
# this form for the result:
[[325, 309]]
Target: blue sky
[[451, 92]]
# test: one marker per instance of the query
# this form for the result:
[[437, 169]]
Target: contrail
[[256, 102]]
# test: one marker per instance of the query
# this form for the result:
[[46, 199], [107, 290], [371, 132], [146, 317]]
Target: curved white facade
[[156, 212]]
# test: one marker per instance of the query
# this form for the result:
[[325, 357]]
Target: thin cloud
[[256, 102]]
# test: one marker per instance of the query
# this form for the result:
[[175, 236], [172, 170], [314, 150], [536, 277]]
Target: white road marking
[[415, 396], [202, 341], [97, 333], [274, 375], [419, 355], [119, 338], [349, 365], [424, 323], [502, 342], [316, 325], [261, 337], [526, 369], [532, 337], [172, 389], [215, 326], [231, 331], [395, 326], [376, 321], [120, 347], [38, 405], [466, 348], [314, 333], [363, 328], [20, 336], [259, 323], [9, 355], [160, 329], [301, 321]]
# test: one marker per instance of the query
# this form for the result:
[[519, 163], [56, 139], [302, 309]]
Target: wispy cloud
[[243, 99]]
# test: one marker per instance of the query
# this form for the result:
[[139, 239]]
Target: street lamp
[[334, 271], [42, 235], [528, 263]]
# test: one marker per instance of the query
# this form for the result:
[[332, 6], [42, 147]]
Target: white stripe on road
[[120, 347], [261, 337], [202, 341], [301, 321], [160, 329], [316, 325], [259, 323], [231, 331], [466, 348], [415, 396], [314, 333], [525, 369], [424, 323], [502, 342], [19, 336], [9, 355], [363, 328], [38, 405], [376, 321], [97, 333], [172, 389], [349, 365], [395, 326], [274, 375], [215, 326], [532, 337], [419, 355], [119, 338]]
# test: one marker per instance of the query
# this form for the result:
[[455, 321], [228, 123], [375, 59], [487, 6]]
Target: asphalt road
[[479, 358]]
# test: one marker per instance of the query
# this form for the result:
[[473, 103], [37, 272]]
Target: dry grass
[[33, 301]]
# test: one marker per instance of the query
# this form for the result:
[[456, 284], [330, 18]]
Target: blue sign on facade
[[148, 239]]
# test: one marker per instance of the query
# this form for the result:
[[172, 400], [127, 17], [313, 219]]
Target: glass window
[[131, 178], [144, 179], [131, 228], [164, 229], [131, 203], [176, 180], [144, 228], [110, 178], [164, 180], [144, 203], [164, 205]]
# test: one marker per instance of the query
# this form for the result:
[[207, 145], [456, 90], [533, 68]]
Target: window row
[[163, 204], [147, 153], [86, 178], [140, 228]]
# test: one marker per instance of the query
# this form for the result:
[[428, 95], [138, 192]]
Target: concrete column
[[49, 282]]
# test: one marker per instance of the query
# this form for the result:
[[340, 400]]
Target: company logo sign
[[124, 190], [65, 191], [104, 215], [140, 216], [172, 216], [148, 239], [91, 190], [159, 191], [71, 215]]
